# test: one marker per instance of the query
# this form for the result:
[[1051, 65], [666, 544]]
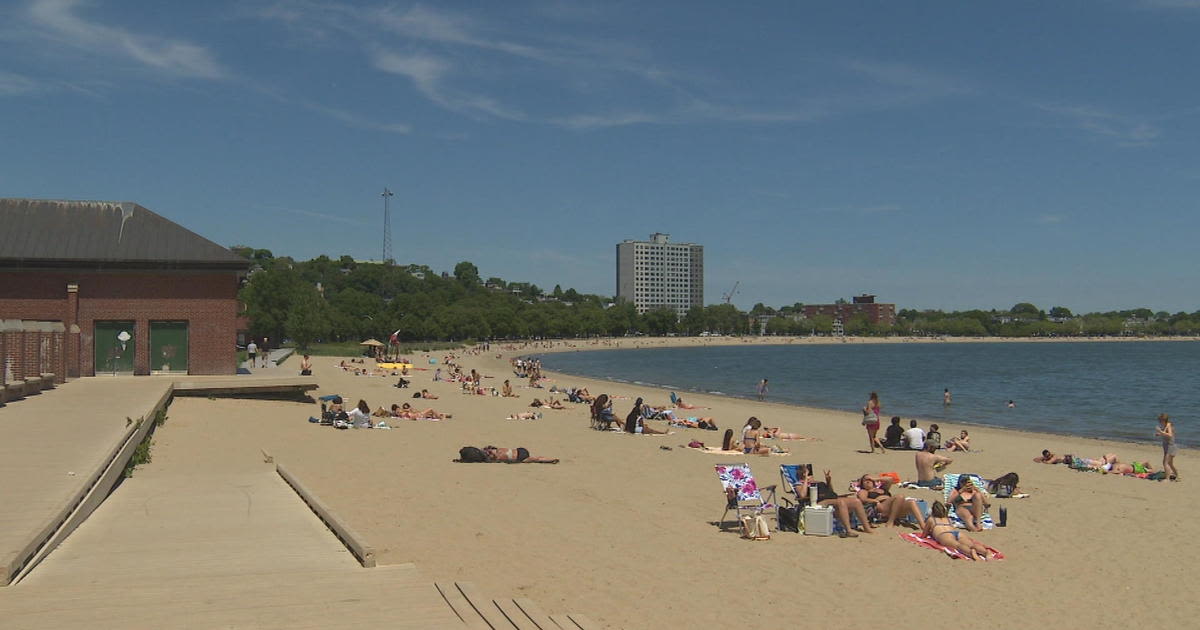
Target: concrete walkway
[[273, 359]]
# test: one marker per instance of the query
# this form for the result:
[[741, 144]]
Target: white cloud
[[1127, 131], [355, 120], [13, 84], [59, 20], [428, 74]]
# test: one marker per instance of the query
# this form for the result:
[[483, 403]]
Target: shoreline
[[675, 342]]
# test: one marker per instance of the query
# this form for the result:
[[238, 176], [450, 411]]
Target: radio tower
[[387, 226]]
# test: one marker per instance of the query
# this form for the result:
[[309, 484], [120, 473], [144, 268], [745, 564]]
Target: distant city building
[[864, 304], [658, 273]]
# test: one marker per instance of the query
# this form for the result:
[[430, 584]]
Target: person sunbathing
[[1133, 468], [960, 443], [507, 391], [425, 394], [582, 394], [939, 527], [519, 455], [969, 503], [842, 505], [1049, 457], [752, 439], [706, 423], [555, 404], [774, 432], [928, 464], [679, 404], [537, 402], [889, 508], [525, 415], [407, 412]]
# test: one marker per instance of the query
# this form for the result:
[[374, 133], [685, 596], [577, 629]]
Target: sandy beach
[[625, 531]]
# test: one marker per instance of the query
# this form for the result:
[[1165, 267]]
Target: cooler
[[818, 521]]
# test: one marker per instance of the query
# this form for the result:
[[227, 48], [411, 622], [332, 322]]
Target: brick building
[[864, 304], [130, 291]]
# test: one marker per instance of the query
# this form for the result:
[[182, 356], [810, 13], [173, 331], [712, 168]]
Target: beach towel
[[949, 482], [713, 450], [918, 539]]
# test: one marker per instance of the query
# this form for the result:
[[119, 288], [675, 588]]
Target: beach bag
[[789, 519], [1004, 486], [755, 528], [869, 417]]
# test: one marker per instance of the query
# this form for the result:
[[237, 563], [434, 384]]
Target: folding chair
[[743, 493], [949, 483]]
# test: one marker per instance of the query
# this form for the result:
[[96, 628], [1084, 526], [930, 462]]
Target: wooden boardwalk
[[170, 548], [52, 446]]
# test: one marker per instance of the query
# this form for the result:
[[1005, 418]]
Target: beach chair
[[743, 493], [949, 483], [789, 474]]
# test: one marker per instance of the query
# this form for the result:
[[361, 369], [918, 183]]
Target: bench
[[48, 380]]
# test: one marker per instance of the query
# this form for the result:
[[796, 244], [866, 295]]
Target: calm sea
[[1101, 390]]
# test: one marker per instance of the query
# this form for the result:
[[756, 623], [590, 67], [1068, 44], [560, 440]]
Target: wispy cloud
[[356, 120], [1125, 130], [917, 81], [14, 84], [428, 73], [60, 21]]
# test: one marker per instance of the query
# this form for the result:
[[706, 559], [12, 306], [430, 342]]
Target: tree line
[[327, 299]]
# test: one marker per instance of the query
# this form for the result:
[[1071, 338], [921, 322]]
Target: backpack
[[471, 455], [1004, 486]]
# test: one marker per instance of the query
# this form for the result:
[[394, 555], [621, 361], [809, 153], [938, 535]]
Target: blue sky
[[938, 154]]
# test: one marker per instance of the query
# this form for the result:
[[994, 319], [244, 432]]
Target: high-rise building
[[657, 273]]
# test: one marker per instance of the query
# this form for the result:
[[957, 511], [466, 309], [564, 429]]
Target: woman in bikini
[[519, 455], [872, 411], [842, 505], [752, 439], [888, 508], [939, 527], [969, 502]]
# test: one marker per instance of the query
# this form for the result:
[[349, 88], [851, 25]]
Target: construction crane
[[729, 296]]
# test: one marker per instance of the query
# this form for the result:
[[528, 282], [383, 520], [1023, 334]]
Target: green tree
[[1024, 308], [660, 321], [467, 274], [307, 319], [1060, 312]]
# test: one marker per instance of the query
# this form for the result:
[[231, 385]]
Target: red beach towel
[[918, 539]]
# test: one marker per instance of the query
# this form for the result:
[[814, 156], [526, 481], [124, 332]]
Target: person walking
[[762, 390], [1166, 430], [266, 351], [871, 412], [252, 353]]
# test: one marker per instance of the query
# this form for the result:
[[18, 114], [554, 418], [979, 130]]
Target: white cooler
[[818, 521]]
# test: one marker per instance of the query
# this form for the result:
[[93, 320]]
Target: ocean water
[[1102, 390]]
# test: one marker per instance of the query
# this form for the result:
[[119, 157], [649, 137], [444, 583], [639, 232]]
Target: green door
[[114, 347], [169, 347]]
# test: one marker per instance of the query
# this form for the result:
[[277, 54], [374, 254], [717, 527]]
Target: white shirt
[[252, 348], [915, 438], [359, 419]]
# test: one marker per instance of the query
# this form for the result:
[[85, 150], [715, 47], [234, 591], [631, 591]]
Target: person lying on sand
[[425, 394], [1049, 457], [555, 404], [519, 455], [706, 423], [407, 412], [1133, 468], [774, 432], [889, 507], [679, 404], [525, 415], [939, 527]]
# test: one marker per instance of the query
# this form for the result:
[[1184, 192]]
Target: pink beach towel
[[917, 539]]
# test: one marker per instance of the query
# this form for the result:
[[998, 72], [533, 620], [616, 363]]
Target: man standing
[[927, 464], [762, 390], [266, 350], [252, 352]]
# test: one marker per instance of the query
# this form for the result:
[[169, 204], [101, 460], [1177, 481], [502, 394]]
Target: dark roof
[[50, 233]]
